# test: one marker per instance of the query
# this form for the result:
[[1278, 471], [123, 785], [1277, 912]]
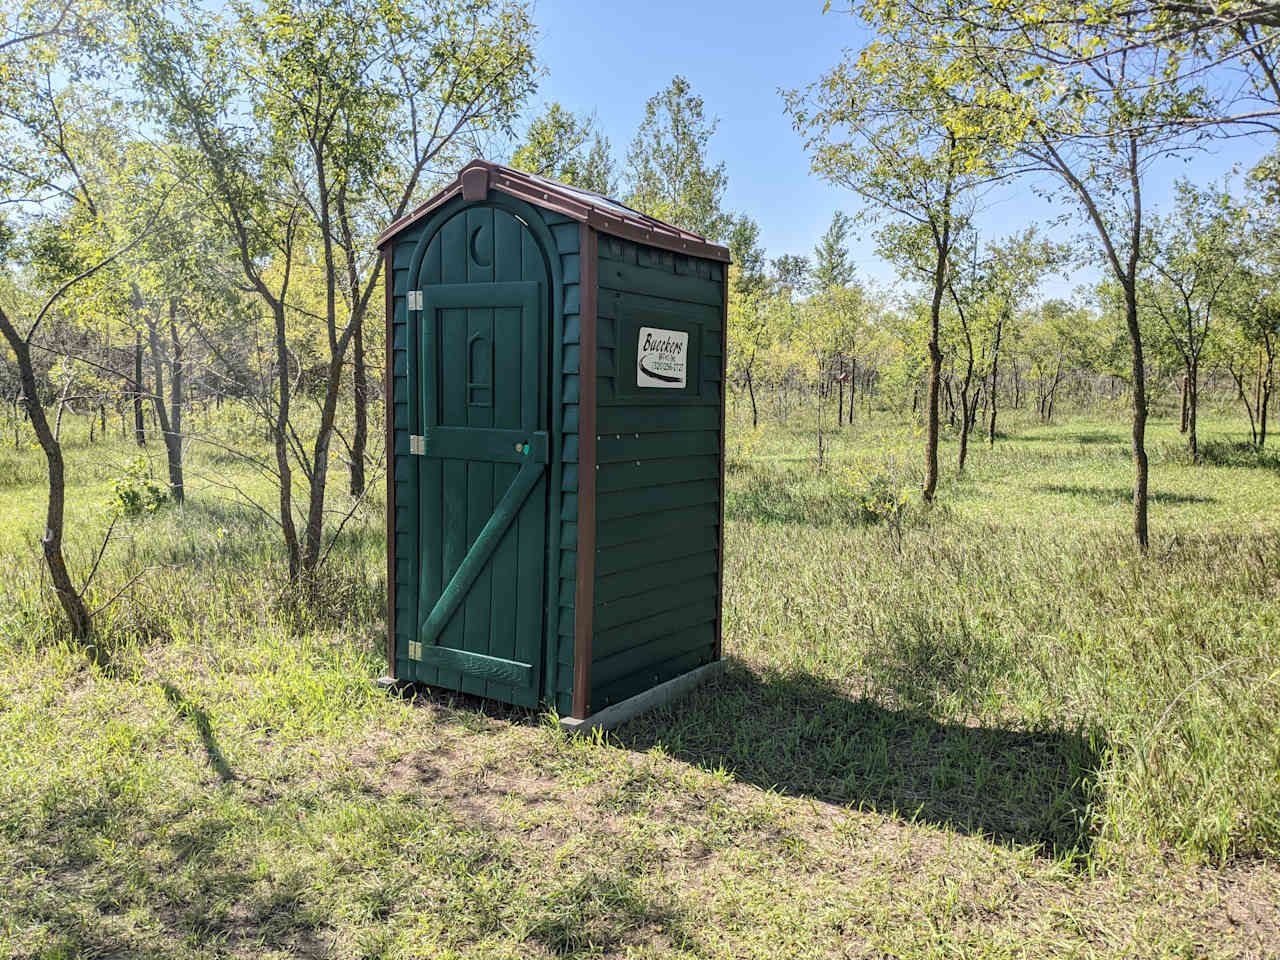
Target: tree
[[749, 333], [668, 173], [49, 175], [792, 273], [832, 266], [563, 146], [1190, 259], [833, 272], [748, 255], [315, 124], [749, 302], [1045, 87], [876, 125], [1013, 270]]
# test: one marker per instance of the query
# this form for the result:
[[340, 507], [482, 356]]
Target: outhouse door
[[483, 509]]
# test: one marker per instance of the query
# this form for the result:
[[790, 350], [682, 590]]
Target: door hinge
[[415, 650], [417, 445], [413, 300]]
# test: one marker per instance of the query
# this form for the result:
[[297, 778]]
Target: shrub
[[136, 493]]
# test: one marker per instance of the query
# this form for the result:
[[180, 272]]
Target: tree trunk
[[853, 382], [1268, 382], [1140, 463], [78, 618], [751, 392], [280, 440], [1183, 428], [360, 396], [935, 379], [139, 420], [177, 384], [995, 383], [840, 387], [1191, 387], [172, 443]]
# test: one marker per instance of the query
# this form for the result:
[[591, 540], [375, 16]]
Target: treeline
[[805, 332]]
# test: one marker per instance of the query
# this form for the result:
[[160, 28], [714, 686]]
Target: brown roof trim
[[601, 213]]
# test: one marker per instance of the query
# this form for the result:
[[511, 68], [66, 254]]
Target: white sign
[[662, 358]]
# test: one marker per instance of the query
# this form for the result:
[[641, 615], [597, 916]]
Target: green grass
[[997, 733]]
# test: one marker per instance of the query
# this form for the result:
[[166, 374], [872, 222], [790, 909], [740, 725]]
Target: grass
[[992, 732]]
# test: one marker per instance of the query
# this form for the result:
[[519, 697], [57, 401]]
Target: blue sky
[[610, 58]]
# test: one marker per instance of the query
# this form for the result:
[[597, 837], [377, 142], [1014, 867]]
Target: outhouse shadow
[[802, 736]]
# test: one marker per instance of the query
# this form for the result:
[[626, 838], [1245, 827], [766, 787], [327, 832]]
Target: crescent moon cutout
[[480, 247]]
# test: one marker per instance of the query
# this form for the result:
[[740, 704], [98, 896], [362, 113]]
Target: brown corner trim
[[584, 595], [389, 389], [724, 388]]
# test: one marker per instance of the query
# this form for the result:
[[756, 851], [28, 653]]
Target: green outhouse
[[555, 438]]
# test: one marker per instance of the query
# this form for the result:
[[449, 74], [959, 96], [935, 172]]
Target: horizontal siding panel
[[617, 305], [624, 278], [569, 507], [572, 329], [569, 364], [567, 587], [565, 233], [612, 447], [568, 535], [403, 255], [620, 612], [569, 478], [641, 553], [654, 419], [570, 454], [611, 533], [641, 681], [648, 473], [608, 642], [671, 570], [631, 503], [615, 248], [651, 655], [570, 394]]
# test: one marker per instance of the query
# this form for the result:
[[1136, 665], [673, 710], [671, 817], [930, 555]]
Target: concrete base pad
[[619, 713], [391, 684]]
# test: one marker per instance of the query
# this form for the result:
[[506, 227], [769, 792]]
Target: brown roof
[[478, 177]]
